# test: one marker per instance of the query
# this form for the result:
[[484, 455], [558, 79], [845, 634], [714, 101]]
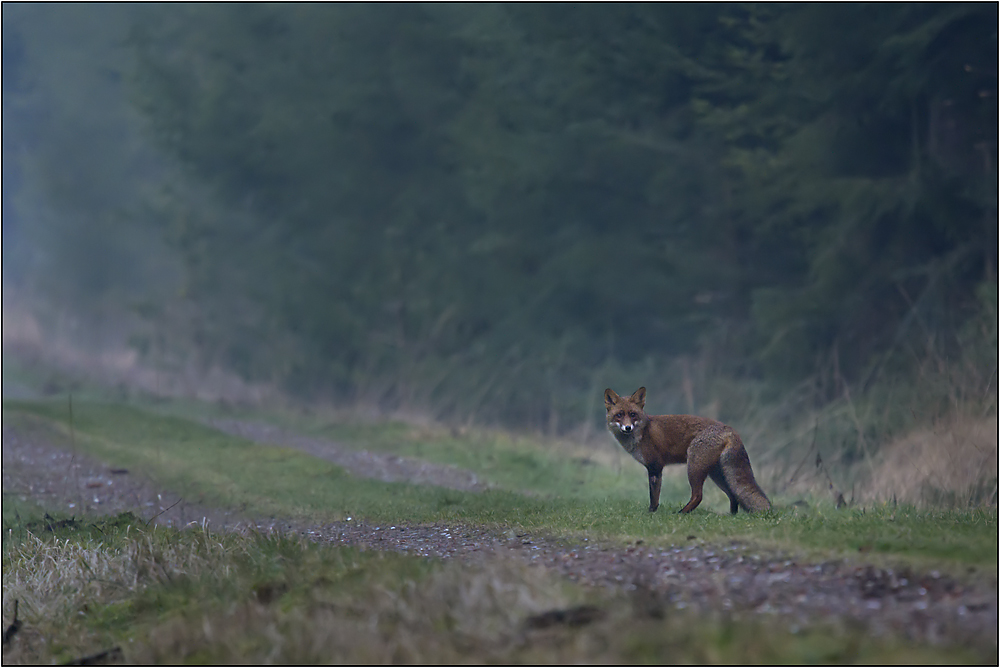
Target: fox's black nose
[[627, 428]]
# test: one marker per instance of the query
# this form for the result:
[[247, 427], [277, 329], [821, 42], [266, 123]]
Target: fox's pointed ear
[[610, 398], [639, 397]]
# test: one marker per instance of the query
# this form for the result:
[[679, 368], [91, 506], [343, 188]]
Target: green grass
[[568, 497], [168, 596], [523, 463], [14, 507]]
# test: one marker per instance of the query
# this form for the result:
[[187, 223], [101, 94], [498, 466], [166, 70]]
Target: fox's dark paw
[[652, 509]]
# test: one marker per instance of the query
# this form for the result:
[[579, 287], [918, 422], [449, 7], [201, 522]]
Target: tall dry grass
[[953, 464]]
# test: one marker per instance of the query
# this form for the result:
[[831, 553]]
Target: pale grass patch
[[53, 579], [954, 463], [58, 583], [55, 582]]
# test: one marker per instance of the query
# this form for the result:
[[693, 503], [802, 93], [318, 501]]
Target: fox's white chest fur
[[628, 440]]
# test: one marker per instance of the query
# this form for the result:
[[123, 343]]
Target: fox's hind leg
[[703, 460], [696, 478], [716, 474]]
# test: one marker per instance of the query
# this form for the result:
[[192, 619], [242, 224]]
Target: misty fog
[[490, 213]]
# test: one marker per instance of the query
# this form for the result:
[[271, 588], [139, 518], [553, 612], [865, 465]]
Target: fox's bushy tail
[[735, 465]]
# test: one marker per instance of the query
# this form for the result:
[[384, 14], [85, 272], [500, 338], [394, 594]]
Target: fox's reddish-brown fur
[[710, 448]]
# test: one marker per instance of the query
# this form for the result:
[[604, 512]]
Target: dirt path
[[387, 468], [729, 580]]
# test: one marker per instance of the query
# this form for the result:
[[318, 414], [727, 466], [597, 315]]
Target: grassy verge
[[568, 496], [155, 595]]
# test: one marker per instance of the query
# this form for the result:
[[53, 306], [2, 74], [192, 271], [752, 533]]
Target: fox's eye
[[620, 415], [632, 414]]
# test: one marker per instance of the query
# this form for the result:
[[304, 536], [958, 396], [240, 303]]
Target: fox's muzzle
[[627, 428]]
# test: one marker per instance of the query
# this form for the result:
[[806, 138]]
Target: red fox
[[710, 448]]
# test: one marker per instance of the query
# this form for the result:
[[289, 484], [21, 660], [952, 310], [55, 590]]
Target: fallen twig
[[164, 510], [112, 654]]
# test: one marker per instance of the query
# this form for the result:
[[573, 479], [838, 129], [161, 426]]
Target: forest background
[[770, 214]]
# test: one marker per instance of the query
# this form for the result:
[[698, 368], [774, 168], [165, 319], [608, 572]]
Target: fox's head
[[625, 415]]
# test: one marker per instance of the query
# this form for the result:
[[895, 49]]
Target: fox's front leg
[[655, 480]]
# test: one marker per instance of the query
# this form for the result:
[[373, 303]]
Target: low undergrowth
[[114, 587]]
